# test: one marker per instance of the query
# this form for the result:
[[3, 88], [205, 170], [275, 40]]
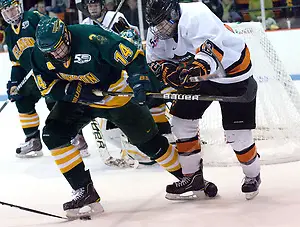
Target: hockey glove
[[120, 26], [179, 78], [12, 92], [156, 68], [79, 92], [140, 84]]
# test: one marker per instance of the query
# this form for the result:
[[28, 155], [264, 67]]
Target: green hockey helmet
[[53, 39], [12, 11]]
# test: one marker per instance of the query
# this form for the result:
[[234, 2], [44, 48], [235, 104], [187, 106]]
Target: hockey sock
[[69, 161]]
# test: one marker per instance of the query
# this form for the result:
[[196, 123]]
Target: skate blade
[[31, 154], [192, 195], [251, 195], [86, 212]]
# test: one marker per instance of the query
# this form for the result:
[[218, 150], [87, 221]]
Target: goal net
[[277, 135]]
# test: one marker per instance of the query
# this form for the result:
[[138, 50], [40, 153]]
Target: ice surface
[[133, 198]]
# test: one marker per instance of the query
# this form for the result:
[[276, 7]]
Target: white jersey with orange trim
[[107, 18], [196, 25]]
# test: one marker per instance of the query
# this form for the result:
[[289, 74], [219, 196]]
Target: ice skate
[[190, 187], [81, 144], [85, 204], [31, 148], [251, 186]]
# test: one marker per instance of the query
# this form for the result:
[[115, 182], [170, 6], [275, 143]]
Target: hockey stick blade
[[248, 96], [33, 211]]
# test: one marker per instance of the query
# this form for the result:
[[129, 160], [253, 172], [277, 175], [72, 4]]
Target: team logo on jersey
[[207, 47], [82, 58], [88, 78], [154, 42], [21, 45], [25, 24], [101, 39]]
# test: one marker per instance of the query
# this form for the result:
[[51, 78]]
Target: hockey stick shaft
[[32, 210], [248, 96], [18, 88], [4, 105], [116, 12]]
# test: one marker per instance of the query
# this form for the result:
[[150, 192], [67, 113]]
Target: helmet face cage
[[165, 29], [162, 16], [61, 49], [12, 12]]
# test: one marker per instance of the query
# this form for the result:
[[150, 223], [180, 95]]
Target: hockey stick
[[116, 12], [32, 210], [248, 96], [103, 151], [18, 88]]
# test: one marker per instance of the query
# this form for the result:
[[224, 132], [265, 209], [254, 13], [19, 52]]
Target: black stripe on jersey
[[238, 62], [241, 66]]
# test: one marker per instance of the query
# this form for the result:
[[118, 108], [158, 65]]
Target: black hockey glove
[[184, 71], [156, 68], [12, 93], [120, 26], [140, 84], [79, 92]]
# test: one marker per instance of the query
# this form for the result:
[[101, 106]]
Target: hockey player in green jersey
[[71, 62], [97, 14], [20, 39]]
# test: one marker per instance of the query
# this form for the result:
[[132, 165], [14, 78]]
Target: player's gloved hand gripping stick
[[17, 89]]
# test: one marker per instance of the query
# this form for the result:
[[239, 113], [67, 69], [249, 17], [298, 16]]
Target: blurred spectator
[[255, 14], [59, 8], [230, 13], [242, 6], [215, 6], [130, 11], [110, 5], [2, 33], [40, 6]]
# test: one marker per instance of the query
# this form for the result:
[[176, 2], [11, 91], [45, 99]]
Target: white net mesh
[[277, 135]]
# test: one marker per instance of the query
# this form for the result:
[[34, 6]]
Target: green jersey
[[20, 41], [97, 56]]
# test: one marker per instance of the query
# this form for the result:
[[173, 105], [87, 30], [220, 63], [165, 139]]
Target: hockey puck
[[85, 218], [210, 190]]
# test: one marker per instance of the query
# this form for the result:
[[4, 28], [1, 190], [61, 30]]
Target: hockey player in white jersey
[[190, 42], [97, 14]]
